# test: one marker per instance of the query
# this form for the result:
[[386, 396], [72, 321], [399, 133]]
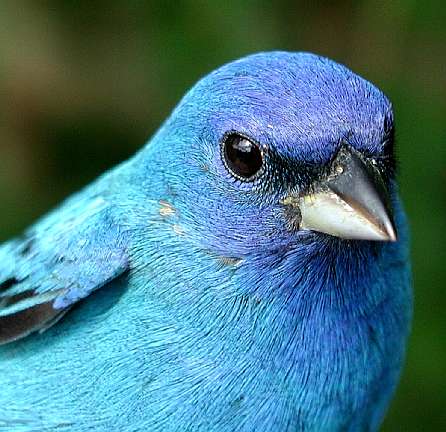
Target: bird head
[[277, 149]]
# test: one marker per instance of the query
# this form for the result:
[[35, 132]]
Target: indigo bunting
[[247, 270]]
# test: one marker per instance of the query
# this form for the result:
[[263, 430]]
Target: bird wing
[[74, 251]]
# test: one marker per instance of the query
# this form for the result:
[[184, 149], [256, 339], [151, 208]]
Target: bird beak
[[352, 202]]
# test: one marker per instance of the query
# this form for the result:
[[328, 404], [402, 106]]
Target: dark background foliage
[[84, 84]]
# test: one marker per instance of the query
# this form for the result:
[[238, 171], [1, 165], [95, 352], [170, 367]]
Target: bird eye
[[242, 157]]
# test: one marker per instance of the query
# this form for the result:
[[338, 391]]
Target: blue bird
[[247, 270]]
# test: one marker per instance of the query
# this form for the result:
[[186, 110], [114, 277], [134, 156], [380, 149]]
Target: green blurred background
[[84, 84]]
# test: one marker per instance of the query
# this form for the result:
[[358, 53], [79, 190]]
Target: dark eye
[[242, 157]]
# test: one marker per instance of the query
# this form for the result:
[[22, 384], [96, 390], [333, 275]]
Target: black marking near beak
[[352, 202]]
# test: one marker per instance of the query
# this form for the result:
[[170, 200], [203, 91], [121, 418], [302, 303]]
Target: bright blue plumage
[[218, 301]]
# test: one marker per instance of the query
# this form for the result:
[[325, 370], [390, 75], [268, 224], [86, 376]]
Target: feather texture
[[61, 260]]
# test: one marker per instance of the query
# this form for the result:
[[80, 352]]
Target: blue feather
[[61, 260]]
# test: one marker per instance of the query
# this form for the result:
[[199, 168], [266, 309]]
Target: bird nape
[[247, 270]]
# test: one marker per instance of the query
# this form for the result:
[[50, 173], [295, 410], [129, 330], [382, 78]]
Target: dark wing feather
[[74, 251]]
